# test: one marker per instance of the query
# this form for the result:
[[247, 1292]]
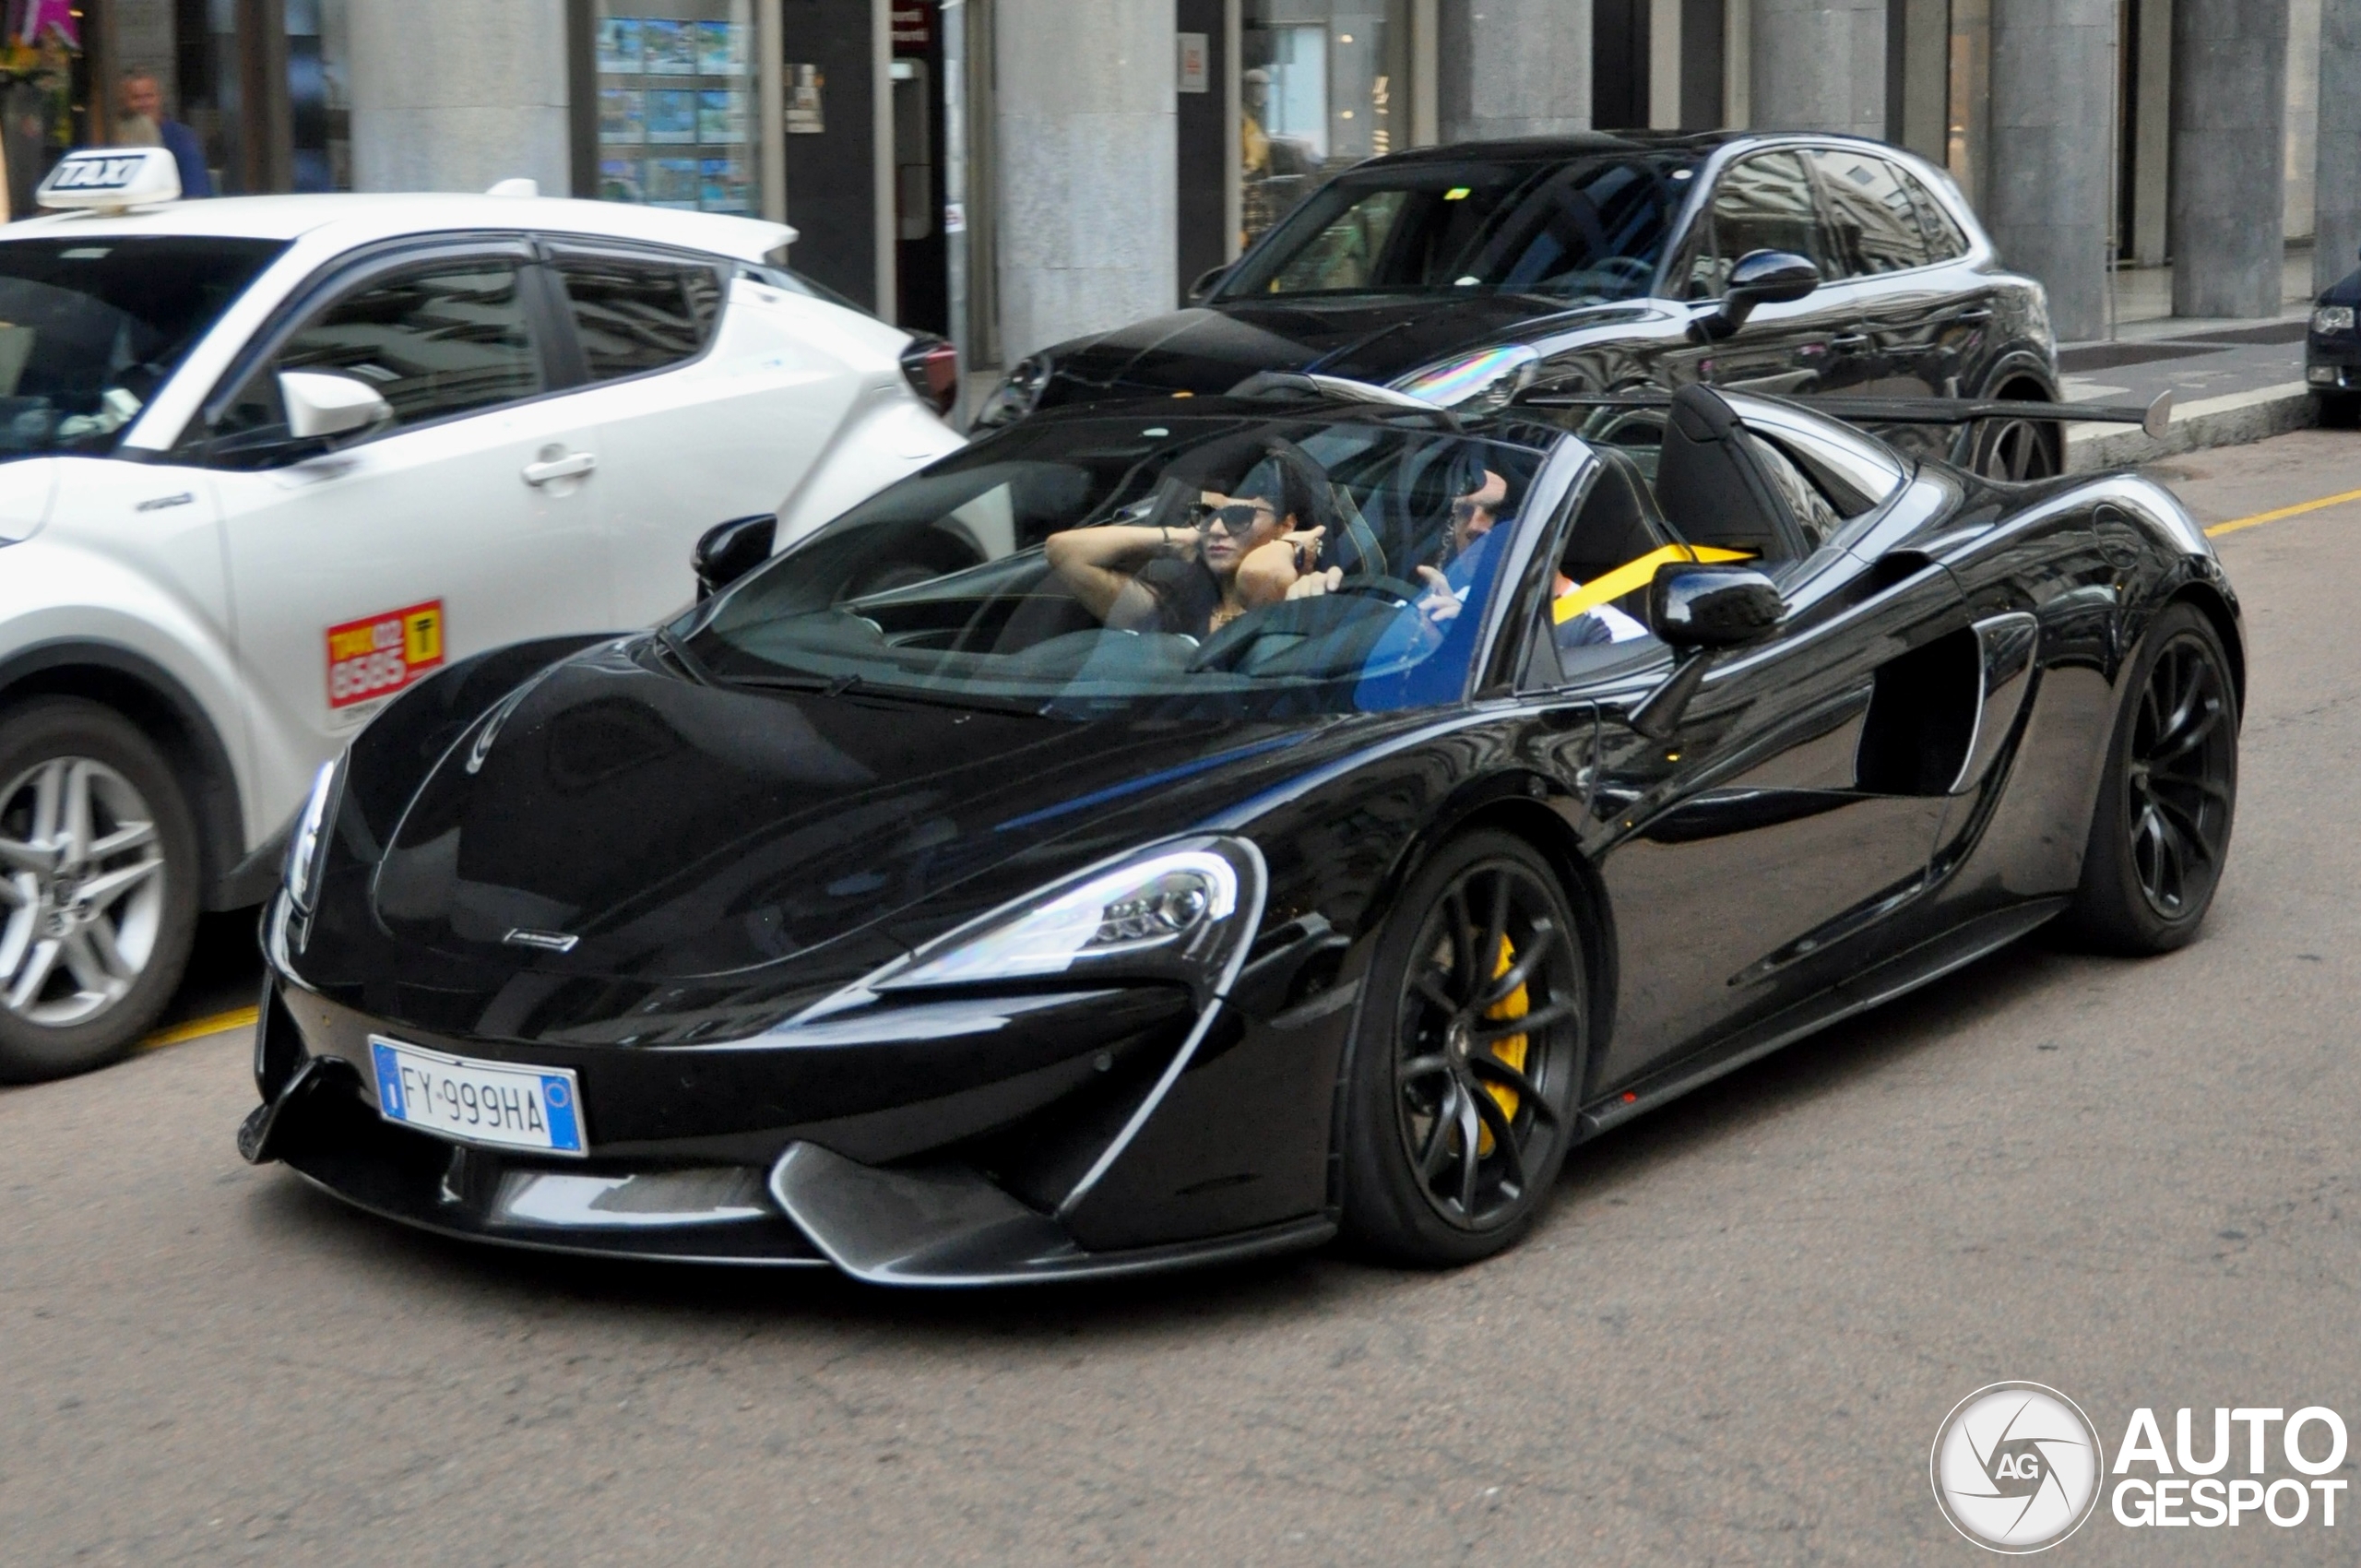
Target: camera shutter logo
[[2016, 1468]]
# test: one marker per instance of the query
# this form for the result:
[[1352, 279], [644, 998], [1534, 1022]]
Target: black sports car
[[1783, 264], [1142, 839]]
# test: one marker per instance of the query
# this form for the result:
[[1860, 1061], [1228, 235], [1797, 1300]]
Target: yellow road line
[[197, 1028], [2218, 529]]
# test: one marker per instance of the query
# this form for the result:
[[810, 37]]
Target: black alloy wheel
[[2017, 449], [2162, 831], [1468, 1058]]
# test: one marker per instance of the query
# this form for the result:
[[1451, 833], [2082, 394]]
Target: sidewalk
[[2231, 381]]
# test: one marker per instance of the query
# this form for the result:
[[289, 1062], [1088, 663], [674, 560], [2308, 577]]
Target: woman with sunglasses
[[1182, 574]]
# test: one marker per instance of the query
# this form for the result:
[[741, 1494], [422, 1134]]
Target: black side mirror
[[1697, 609], [728, 550], [1207, 282], [1760, 278], [1713, 606]]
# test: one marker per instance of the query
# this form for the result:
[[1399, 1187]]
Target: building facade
[[1016, 171]]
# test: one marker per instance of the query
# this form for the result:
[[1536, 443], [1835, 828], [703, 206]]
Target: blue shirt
[[189, 153]]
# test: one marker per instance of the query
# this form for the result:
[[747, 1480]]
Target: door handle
[[567, 467], [1850, 342], [1973, 317]]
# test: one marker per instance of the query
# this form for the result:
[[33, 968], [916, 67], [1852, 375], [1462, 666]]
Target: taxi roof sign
[[111, 177]]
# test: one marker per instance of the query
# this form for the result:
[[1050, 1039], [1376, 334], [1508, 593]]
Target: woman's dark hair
[[1294, 485]]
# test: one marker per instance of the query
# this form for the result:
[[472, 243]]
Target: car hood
[[677, 831], [2345, 290], [1366, 337]]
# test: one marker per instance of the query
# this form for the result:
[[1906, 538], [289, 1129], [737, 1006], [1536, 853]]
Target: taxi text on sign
[[380, 655]]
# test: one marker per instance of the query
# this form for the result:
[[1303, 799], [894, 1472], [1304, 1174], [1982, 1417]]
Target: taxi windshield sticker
[[380, 655]]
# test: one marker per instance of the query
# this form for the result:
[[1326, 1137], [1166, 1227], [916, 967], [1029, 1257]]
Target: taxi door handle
[[567, 467]]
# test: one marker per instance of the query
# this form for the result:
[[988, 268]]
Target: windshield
[[1583, 232], [1200, 567], [91, 328]]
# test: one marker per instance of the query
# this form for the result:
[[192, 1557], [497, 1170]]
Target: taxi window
[[633, 314], [90, 328], [443, 341]]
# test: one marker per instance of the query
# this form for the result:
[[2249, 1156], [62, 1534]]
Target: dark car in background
[[1787, 265], [2332, 351]]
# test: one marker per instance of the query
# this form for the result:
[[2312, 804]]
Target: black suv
[[1466, 275]]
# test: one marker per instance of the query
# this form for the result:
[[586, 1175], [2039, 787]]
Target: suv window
[[1871, 217], [444, 339], [1764, 203], [1943, 237], [635, 315]]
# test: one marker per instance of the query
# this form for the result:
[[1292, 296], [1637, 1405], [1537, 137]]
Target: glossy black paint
[[1963, 328], [2336, 355], [1895, 777]]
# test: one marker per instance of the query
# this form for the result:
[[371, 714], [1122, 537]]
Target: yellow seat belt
[[1633, 576]]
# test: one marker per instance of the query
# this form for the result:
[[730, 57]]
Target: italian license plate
[[498, 1103]]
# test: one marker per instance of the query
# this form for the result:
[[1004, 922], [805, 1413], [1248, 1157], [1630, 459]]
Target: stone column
[[2336, 210], [2046, 185], [453, 95], [1819, 65], [2229, 156], [1086, 140], [1513, 67]]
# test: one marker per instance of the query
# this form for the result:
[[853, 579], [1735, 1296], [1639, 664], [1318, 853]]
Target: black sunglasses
[[1236, 518]]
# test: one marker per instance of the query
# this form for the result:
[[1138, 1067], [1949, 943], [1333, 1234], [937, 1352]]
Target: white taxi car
[[263, 462]]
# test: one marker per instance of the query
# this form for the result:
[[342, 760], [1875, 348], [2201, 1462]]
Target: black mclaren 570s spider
[[1154, 835]]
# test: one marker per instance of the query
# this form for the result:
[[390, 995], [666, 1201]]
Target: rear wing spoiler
[[2154, 419]]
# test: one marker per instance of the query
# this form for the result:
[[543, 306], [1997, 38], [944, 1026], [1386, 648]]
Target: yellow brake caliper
[[1516, 1004]]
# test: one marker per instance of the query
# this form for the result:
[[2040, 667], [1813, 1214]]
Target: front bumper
[[2332, 364], [921, 1167]]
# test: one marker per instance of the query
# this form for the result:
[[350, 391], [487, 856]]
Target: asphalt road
[[1731, 1341]]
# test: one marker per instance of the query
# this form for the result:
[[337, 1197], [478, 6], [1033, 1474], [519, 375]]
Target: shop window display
[[1324, 84], [676, 100]]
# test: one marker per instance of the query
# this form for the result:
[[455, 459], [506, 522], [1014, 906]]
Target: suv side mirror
[[1760, 278], [1207, 282], [728, 550], [322, 403]]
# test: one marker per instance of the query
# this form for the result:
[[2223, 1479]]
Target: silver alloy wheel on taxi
[[82, 891]]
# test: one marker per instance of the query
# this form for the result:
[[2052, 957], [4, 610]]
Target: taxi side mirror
[[322, 403], [728, 550]]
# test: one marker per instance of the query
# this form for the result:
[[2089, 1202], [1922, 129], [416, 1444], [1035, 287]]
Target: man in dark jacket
[[143, 96]]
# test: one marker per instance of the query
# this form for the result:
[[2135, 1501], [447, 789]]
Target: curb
[[2231, 421]]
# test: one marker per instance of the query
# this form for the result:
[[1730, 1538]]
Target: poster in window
[[672, 47], [672, 182], [619, 180], [721, 48], [804, 116], [619, 44], [671, 116], [623, 114], [721, 118], [723, 186]]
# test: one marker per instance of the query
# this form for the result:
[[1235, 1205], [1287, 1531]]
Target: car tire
[[1431, 1077], [2167, 797], [91, 948], [2338, 410]]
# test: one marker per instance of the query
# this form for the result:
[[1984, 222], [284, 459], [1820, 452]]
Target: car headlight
[[304, 846], [1479, 383], [2332, 318], [1183, 911], [1018, 394]]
